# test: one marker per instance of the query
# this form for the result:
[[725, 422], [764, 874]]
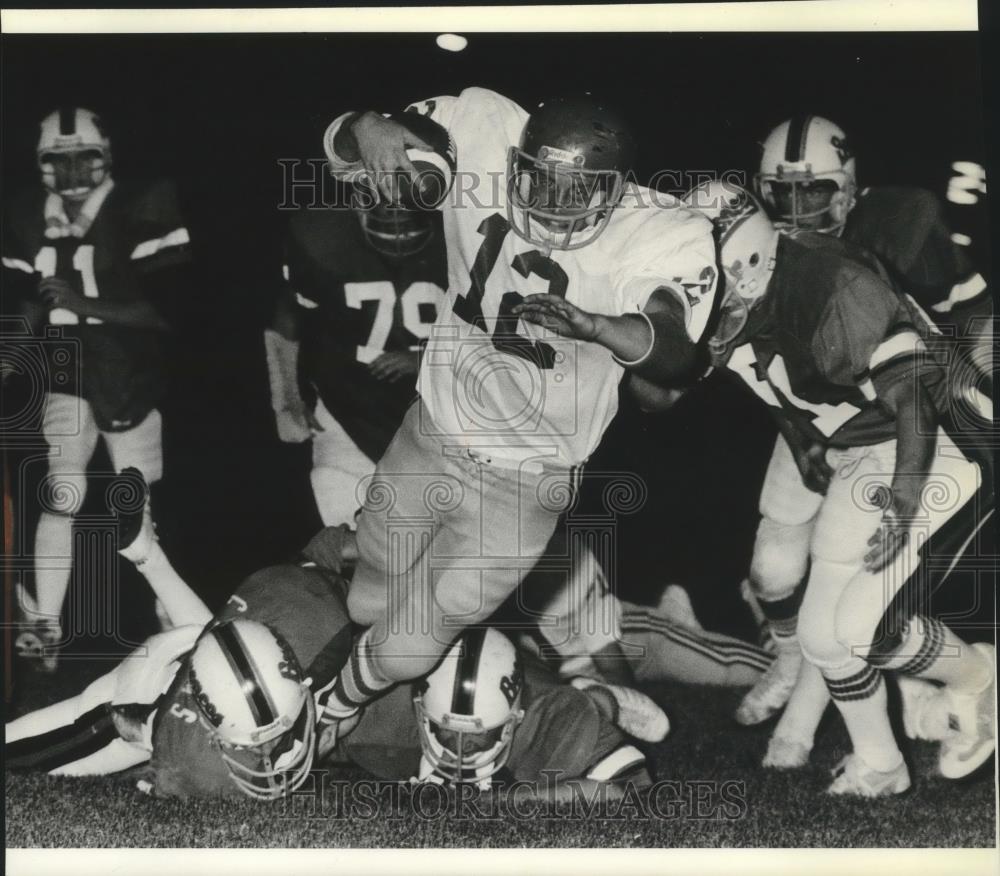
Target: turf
[[706, 761]]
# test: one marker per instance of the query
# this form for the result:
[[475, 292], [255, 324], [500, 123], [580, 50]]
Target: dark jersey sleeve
[[159, 236], [907, 229]]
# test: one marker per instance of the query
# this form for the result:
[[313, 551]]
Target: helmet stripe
[[464, 693], [798, 131], [67, 120], [241, 663]]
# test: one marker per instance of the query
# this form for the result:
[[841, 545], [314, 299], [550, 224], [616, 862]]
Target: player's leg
[[845, 523], [777, 576], [486, 542], [882, 618], [674, 652], [74, 737], [398, 518], [69, 428], [339, 470], [129, 497]]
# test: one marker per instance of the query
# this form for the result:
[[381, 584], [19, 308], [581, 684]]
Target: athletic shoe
[[853, 776], [924, 707], [135, 522], [786, 754], [972, 718], [772, 690], [40, 641], [636, 714]]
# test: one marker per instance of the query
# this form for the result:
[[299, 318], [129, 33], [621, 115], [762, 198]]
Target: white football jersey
[[508, 387]]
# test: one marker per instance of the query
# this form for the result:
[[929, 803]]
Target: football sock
[[53, 562], [860, 695], [805, 706], [182, 604], [358, 683], [931, 650]]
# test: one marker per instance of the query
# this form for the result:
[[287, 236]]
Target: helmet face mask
[[395, 232], [468, 708], [808, 175], [558, 205], [74, 155], [259, 712], [566, 176]]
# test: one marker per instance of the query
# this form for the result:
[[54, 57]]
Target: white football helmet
[[254, 702], [74, 153], [808, 175], [748, 243], [468, 708]]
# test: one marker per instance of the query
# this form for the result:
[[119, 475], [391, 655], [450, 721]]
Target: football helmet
[[567, 174], [74, 153], [251, 696], [808, 176], [468, 708], [394, 231], [747, 242]]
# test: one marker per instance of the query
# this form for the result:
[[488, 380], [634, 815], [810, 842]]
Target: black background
[[217, 112]]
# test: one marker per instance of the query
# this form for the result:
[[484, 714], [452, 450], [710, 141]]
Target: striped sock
[[859, 693], [782, 618], [358, 683], [931, 650]]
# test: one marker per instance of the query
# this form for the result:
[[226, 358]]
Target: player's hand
[[56, 292], [559, 316], [395, 365], [382, 145], [815, 470], [894, 533]]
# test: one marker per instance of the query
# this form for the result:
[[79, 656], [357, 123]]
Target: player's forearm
[[136, 314], [650, 345], [613, 665], [916, 440]]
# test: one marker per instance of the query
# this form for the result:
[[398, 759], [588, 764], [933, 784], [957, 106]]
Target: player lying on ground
[[221, 706], [559, 283], [93, 259], [857, 380]]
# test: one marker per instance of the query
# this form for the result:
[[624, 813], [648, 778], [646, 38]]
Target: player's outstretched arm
[[653, 343]]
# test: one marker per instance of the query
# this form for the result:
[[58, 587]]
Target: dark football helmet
[[567, 174], [394, 231]]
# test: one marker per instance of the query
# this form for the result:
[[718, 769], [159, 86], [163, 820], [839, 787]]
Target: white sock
[[805, 708], [53, 562], [859, 693]]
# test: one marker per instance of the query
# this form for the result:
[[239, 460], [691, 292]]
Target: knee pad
[[780, 558], [817, 624]]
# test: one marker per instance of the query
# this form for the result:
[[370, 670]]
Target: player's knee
[[780, 558], [818, 639]]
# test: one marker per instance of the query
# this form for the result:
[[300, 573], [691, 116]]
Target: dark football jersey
[[307, 607], [563, 730], [356, 305], [828, 314], [908, 231], [137, 231]]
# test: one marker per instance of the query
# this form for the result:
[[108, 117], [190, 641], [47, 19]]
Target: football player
[[221, 707], [90, 257], [560, 280], [867, 490], [808, 181], [217, 707], [364, 287]]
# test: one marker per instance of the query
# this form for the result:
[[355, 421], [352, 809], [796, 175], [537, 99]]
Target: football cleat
[[973, 719], [636, 713], [924, 709], [786, 754], [772, 690], [40, 641], [852, 776], [136, 534]]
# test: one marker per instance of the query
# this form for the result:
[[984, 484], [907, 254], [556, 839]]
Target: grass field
[[704, 752]]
